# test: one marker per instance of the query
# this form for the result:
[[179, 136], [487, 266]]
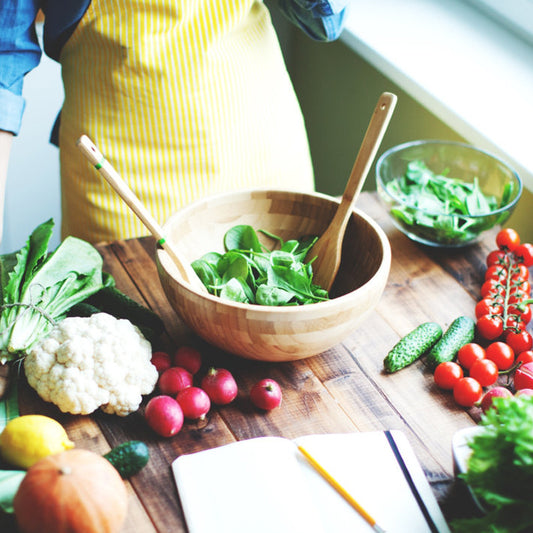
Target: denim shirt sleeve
[[19, 53], [322, 20]]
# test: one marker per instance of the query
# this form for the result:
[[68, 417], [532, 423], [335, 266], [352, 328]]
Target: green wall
[[338, 91]]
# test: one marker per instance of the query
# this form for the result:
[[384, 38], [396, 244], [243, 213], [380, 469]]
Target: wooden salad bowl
[[269, 333]]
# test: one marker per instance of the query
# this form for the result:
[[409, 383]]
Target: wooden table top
[[342, 390]]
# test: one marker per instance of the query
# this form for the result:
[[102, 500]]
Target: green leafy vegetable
[[500, 468], [10, 481], [249, 273], [429, 199], [9, 404], [38, 288]]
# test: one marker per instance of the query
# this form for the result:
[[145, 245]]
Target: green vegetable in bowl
[[442, 204], [249, 273], [37, 289], [500, 468]]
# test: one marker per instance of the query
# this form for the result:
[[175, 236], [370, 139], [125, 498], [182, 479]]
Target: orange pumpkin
[[75, 491]]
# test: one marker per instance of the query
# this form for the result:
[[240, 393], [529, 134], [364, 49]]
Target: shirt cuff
[[320, 20], [323, 8], [11, 110]]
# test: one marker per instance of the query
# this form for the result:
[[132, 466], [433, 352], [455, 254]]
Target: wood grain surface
[[341, 390]]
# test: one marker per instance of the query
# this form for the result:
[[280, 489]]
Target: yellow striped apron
[[185, 98]]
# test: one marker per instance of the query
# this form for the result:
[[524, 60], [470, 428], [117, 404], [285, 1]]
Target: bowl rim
[[404, 146], [263, 309]]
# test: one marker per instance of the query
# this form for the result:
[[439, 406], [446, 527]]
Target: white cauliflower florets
[[90, 362]]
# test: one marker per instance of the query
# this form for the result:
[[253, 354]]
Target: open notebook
[[266, 485]]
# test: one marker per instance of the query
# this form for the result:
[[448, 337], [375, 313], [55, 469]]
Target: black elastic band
[[411, 483]]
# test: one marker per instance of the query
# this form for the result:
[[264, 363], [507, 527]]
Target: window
[[517, 15]]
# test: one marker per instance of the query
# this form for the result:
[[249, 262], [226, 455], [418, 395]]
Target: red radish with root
[[266, 394], [174, 379], [496, 392], [194, 402], [161, 360], [524, 392], [523, 377], [220, 386], [188, 358], [164, 415]]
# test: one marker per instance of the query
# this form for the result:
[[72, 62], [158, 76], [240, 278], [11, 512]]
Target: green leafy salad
[[37, 288], [250, 273], [500, 469], [429, 199]]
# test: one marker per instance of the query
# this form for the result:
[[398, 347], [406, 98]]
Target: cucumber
[[83, 309], [412, 346], [129, 458], [111, 300], [460, 332]]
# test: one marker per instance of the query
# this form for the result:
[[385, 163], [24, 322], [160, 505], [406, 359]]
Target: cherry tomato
[[467, 392], [469, 354], [507, 239], [501, 353], [487, 306], [490, 327], [514, 323], [523, 377], [521, 310], [520, 285], [497, 257], [497, 272], [492, 286], [517, 296], [524, 252], [519, 271], [519, 341], [447, 374], [485, 372], [524, 357]]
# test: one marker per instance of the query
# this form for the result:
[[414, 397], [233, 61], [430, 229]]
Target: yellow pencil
[[340, 489]]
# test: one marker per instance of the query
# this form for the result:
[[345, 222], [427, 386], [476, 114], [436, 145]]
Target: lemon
[[28, 438]]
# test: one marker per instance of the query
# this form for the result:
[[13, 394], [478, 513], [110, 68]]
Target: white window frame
[[516, 15], [467, 69]]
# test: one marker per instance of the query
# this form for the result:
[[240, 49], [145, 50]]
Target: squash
[[75, 491]]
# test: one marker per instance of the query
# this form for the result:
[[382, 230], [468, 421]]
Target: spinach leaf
[[208, 274], [242, 237], [429, 199], [250, 273], [268, 295]]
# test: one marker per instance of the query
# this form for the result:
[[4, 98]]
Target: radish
[[523, 376], [188, 358], [496, 392], [161, 360], [164, 415], [194, 402], [174, 379], [524, 392], [266, 394], [220, 386]]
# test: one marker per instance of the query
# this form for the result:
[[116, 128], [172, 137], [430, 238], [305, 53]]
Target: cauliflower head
[[86, 363]]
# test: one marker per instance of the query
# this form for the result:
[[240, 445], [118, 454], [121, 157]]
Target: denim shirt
[[20, 50]]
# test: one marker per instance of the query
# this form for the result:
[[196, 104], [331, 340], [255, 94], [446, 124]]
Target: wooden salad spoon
[[327, 250], [91, 152]]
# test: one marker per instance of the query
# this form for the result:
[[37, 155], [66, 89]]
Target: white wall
[[32, 190]]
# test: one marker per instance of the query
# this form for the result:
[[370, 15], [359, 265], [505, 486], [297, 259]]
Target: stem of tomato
[[507, 288], [512, 261]]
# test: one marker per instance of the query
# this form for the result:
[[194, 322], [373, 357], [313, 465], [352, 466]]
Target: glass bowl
[[444, 193]]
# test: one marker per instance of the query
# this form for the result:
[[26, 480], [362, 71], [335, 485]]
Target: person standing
[[186, 98]]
